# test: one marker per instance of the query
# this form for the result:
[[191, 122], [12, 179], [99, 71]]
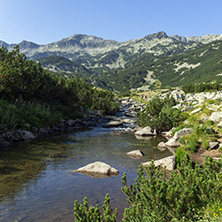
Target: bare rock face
[[135, 153], [98, 168], [169, 162]]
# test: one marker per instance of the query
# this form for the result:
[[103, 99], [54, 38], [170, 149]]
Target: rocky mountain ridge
[[99, 54]]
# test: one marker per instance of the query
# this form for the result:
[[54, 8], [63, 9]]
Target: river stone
[[172, 143], [71, 122], [114, 123], [98, 168], [135, 153], [161, 145], [146, 131], [129, 120], [168, 133], [169, 162], [132, 114]]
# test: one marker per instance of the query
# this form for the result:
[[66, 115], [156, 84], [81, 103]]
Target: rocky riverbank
[[125, 118]]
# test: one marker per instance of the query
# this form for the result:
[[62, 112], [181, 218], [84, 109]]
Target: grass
[[33, 114]]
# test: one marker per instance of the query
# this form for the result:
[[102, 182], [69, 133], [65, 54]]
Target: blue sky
[[46, 21]]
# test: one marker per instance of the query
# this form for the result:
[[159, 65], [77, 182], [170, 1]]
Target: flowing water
[[37, 182]]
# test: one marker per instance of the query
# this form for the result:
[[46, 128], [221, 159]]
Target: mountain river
[[37, 182]]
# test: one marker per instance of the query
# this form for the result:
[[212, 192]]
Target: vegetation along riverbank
[[192, 191], [34, 101]]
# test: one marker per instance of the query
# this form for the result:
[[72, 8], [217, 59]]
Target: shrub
[[182, 196], [84, 213], [160, 115], [36, 96], [189, 143]]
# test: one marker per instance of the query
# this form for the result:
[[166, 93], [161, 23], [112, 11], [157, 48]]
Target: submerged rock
[[98, 168]]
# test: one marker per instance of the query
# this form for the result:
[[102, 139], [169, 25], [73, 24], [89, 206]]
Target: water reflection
[[36, 179]]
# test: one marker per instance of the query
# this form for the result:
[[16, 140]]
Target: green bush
[[84, 213], [179, 153], [35, 96], [160, 115], [181, 197]]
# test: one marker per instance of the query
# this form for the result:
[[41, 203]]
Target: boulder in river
[[172, 143], [135, 153], [98, 168], [146, 131]]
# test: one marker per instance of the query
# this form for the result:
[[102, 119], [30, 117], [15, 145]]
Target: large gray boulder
[[169, 162], [98, 168], [146, 131]]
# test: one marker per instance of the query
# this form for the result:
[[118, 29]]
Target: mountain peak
[[158, 35], [28, 45]]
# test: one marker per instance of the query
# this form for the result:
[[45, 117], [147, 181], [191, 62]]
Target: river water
[[37, 182]]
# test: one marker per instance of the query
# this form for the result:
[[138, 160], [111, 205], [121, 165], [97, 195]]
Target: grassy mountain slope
[[100, 55], [63, 65], [203, 64]]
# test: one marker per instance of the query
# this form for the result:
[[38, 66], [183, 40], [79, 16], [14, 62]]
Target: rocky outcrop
[[169, 162], [98, 168]]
